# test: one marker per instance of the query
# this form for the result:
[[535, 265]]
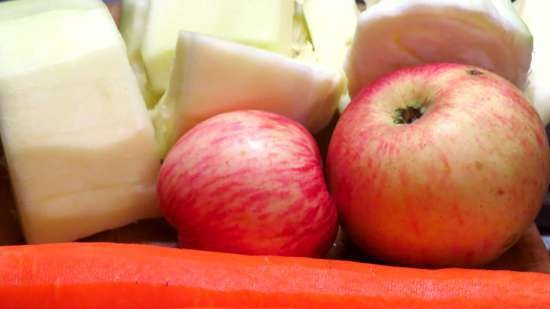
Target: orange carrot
[[116, 276]]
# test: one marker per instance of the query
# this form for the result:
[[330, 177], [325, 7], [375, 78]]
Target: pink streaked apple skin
[[248, 182], [458, 186]]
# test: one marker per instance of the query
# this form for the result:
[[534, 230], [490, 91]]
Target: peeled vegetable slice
[[77, 137], [301, 46], [393, 34], [132, 26], [211, 76], [133, 22], [535, 15], [262, 23], [369, 3], [331, 40]]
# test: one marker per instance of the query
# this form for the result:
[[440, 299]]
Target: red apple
[[438, 165], [248, 182]]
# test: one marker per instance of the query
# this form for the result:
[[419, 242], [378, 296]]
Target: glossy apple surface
[[438, 165], [248, 182]]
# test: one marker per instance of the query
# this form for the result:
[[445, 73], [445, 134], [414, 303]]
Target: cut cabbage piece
[[262, 23], [211, 76], [534, 14], [370, 3], [302, 46], [77, 137], [132, 25], [331, 25], [393, 34]]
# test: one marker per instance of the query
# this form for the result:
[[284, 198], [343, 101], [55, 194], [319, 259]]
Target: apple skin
[[456, 187], [248, 182]]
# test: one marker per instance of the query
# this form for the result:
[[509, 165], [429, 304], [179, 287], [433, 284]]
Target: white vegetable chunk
[[77, 137]]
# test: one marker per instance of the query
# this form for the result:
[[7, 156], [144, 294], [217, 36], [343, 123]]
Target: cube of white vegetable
[[77, 137]]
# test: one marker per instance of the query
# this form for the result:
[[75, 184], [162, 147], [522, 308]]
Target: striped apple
[[248, 182], [439, 165]]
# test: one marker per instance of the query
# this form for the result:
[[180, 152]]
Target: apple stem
[[409, 114]]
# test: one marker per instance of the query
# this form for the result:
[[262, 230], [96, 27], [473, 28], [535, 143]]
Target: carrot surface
[[122, 276]]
